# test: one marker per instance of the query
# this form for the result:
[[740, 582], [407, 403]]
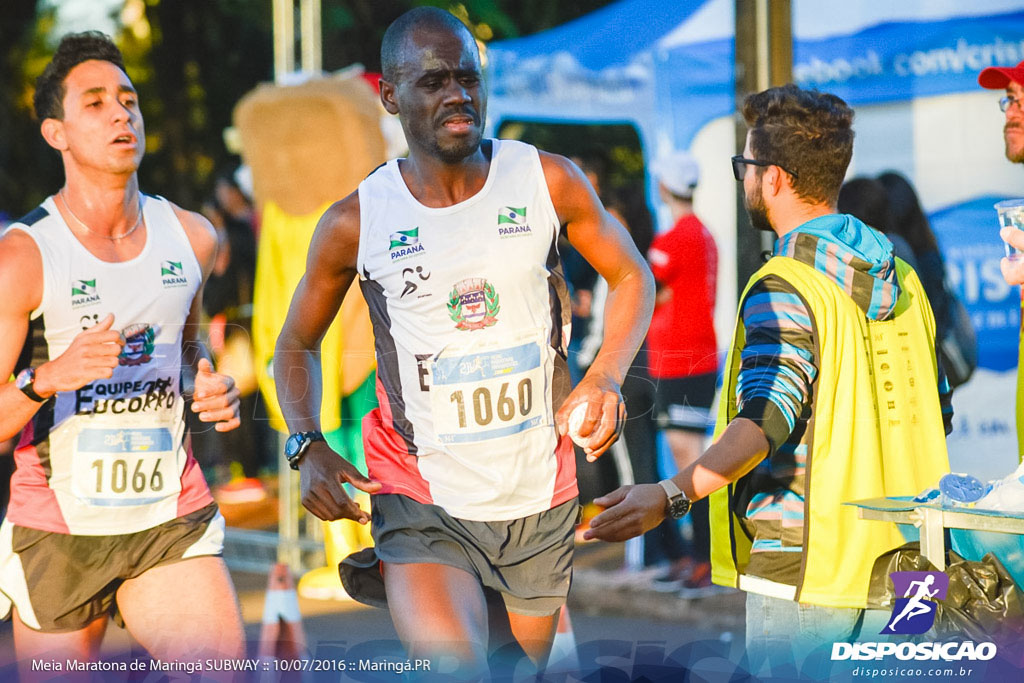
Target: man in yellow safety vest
[[797, 438]]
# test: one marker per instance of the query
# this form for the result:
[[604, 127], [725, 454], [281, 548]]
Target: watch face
[[293, 446], [679, 507], [25, 378]]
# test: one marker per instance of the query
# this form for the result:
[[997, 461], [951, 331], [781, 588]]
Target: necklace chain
[[138, 221]]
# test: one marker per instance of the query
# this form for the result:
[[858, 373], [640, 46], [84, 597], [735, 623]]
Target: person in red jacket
[[682, 345]]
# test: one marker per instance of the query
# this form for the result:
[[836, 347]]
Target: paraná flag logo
[[84, 288], [405, 238], [510, 215]]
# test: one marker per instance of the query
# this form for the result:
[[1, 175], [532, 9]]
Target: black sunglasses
[[740, 163]]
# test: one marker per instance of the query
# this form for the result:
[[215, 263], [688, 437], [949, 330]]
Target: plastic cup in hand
[[1011, 215]]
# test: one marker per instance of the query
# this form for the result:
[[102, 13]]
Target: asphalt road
[[356, 635]]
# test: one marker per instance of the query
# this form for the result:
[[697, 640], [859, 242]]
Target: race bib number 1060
[[489, 394]]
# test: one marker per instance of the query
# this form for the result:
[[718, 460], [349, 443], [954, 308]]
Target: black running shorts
[[528, 561], [61, 582]]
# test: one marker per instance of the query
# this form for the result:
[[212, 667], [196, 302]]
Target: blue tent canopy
[[667, 65], [609, 36]]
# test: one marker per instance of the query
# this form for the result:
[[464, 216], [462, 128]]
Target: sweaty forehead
[[95, 74], [438, 49]]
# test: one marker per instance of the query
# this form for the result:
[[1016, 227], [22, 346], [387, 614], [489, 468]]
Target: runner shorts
[[528, 561], [61, 582]]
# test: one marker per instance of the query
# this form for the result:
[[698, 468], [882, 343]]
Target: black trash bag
[[906, 558], [983, 602]]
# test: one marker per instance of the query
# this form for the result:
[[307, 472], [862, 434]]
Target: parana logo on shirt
[[172, 274], [405, 243], [83, 293], [512, 222]]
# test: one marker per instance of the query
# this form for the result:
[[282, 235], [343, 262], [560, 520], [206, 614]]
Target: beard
[[753, 202], [455, 151], [432, 138], [1014, 150]]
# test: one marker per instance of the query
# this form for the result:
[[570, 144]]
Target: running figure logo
[[914, 613], [410, 285]]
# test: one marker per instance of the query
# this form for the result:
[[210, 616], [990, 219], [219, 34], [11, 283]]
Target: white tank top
[[110, 458], [471, 322]]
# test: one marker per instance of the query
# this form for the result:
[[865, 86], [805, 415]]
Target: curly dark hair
[[74, 49], [805, 131]]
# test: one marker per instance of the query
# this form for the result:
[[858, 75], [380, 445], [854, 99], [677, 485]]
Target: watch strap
[[305, 439], [28, 387], [671, 490]]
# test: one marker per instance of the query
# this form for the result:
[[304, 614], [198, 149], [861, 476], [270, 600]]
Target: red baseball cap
[[998, 77]]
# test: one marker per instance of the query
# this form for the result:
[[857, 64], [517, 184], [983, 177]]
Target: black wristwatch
[[26, 382], [296, 445], [678, 503]]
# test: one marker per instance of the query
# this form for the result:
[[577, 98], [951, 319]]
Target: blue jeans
[[785, 637]]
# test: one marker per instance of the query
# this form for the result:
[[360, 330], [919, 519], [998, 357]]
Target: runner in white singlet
[[470, 467], [468, 302], [109, 513]]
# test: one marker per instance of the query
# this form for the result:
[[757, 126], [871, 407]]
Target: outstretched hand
[[322, 475], [216, 397], [629, 511]]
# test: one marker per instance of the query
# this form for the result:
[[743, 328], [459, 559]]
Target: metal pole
[[284, 38], [311, 36], [289, 542], [764, 58], [288, 550], [287, 508], [762, 55]]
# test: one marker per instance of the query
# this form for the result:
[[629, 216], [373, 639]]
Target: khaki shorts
[[527, 561], [61, 582]]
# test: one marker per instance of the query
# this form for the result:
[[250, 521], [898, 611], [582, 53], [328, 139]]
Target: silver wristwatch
[[678, 503]]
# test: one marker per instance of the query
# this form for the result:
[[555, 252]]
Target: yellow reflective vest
[[1020, 390], [875, 430]]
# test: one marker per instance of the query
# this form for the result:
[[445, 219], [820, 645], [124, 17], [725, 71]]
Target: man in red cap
[[1010, 78]]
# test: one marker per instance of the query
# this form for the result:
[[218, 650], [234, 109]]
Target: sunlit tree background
[[191, 61]]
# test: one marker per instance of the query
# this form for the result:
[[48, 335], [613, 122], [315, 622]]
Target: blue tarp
[[668, 64], [607, 37]]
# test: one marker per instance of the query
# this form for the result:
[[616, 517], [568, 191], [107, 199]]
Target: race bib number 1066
[[125, 466]]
